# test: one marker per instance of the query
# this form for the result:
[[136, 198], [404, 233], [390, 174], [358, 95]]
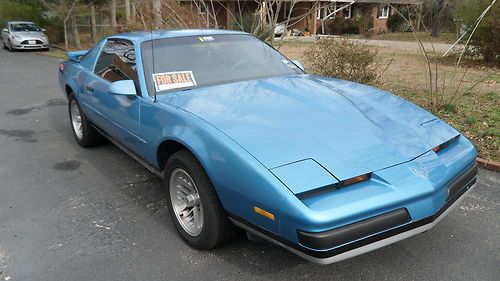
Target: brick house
[[313, 16]]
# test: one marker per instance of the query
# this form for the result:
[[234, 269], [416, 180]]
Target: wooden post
[[127, 12], [93, 33], [113, 16]]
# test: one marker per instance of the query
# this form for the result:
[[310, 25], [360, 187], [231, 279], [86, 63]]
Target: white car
[[18, 35]]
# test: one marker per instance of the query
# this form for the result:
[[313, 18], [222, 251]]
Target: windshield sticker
[[206, 38], [173, 80]]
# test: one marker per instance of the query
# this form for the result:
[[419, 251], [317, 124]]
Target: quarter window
[[117, 61]]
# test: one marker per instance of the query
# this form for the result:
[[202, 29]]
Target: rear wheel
[[85, 134], [193, 203]]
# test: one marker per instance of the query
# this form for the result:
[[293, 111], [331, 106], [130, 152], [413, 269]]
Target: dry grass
[[476, 114]]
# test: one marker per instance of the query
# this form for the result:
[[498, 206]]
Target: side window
[[117, 61]]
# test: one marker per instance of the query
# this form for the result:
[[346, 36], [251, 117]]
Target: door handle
[[90, 89]]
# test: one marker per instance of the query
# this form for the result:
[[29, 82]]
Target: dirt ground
[[476, 113]]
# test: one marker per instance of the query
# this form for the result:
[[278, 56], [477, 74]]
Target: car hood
[[29, 34], [348, 128]]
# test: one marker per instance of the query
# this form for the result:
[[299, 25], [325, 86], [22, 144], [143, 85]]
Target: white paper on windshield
[[173, 80]]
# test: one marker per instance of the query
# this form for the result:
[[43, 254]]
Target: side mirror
[[123, 88], [298, 64], [44, 30], [5, 30]]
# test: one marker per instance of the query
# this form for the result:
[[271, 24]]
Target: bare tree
[[74, 33], [62, 9]]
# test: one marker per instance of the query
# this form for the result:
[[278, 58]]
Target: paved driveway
[[68, 213]]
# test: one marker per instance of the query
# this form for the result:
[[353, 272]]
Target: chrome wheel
[[76, 119], [186, 202]]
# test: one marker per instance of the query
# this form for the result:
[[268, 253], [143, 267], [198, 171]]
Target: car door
[[116, 115]]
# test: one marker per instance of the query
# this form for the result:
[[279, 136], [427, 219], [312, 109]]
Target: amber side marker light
[[354, 180], [445, 144], [263, 212]]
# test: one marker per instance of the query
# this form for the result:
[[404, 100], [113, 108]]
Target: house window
[[347, 11], [383, 11], [326, 9]]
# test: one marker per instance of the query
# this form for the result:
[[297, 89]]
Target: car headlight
[[17, 37], [44, 37]]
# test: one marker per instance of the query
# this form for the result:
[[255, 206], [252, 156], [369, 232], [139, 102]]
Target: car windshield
[[197, 61], [19, 27]]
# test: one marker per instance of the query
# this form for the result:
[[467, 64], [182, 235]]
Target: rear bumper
[[370, 234]]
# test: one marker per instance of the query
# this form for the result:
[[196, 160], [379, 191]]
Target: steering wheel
[[130, 55], [240, 64]]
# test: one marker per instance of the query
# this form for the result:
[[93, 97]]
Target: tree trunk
[[437, 14], [127, 12], [113, 16], [100, 28], [157, 13], [65, 27], [93, 27], [74, 32]]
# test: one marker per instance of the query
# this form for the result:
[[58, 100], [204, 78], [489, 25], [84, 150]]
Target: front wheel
[[85, 134], [193, 203]]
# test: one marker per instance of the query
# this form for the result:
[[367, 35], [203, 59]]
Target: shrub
[[343, 59], [486, 39], [250, 22], [395, 23]]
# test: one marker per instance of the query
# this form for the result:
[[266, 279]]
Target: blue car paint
[[241, 132]]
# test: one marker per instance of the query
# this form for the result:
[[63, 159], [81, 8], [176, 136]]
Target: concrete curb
[[488, 165]]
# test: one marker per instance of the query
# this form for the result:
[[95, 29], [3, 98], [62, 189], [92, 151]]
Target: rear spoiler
[[76, 55]]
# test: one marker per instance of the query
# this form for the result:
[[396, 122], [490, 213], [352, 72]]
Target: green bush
[[486, 40], [343, 59], [396, 23], [341, 26]]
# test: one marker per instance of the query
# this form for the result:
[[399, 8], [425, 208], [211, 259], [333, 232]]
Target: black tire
[[4, 46], [89, 137], [217, 229], [46, 49]]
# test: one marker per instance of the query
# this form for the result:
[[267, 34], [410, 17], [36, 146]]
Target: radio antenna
[[153, 59]]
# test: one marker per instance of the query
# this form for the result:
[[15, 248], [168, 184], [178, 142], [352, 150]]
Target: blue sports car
[[244, 138]]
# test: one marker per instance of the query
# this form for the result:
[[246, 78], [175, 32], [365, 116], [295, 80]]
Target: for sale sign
[[173, 80]]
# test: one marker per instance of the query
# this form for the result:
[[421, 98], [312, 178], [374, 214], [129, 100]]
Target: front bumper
[[30, 47], [370, 234], [24, 44]]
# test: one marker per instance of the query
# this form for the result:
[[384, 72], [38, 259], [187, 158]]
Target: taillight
[[61, 67]]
